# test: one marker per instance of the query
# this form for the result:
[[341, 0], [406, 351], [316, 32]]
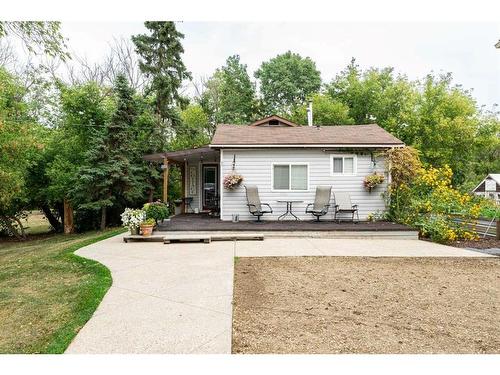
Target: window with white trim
[[290, 176], [343, 165]]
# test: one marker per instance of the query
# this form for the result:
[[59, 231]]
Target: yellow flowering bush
[[427, 200]]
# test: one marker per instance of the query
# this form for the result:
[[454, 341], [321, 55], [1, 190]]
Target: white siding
[[256, 168]]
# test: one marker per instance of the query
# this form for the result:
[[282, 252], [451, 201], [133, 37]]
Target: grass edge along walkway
[[94, 292], [29, 273]]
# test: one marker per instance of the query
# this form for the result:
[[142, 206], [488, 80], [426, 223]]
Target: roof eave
[[310, 145]]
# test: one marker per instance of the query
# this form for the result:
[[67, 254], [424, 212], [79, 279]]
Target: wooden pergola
[[178, 158]]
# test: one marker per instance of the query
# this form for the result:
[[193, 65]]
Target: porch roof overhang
[[180, 156]]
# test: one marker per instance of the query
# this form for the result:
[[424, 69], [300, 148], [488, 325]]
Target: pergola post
[[183, 186], [165, 179]]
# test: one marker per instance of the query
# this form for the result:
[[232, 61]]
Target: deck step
[[237, 237], [138, 237], [207, 238], [195, 237], [186, 238]]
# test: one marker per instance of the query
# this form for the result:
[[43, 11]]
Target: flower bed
[[425, 199]]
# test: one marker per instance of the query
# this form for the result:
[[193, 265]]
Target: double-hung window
[[288, 176], [343, 165]]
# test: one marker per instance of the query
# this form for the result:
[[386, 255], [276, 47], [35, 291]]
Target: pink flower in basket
[[232, 181]]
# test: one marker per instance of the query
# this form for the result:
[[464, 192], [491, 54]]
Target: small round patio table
[[289, 211]]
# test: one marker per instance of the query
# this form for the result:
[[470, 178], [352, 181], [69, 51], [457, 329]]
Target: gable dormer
[[273, 121]]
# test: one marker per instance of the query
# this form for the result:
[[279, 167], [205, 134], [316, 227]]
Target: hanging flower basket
[[372, 181], [232, 181]]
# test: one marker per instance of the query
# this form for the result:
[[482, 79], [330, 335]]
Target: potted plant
[[158, 211], [178, 206], [147, 227], [132, 219], [372, 181], [232, 181]]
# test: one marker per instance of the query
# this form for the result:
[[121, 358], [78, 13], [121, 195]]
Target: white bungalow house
[[489, 187], [285, 161]]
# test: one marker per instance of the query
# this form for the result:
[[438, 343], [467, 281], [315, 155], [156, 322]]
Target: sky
[[415, 49]]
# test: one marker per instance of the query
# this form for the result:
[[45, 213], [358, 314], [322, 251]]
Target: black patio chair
[[253, 202], [321, 202]]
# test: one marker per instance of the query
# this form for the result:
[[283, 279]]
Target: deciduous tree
[[286, 81], [438, 118], [195, 130], [377, 96], [326, 111], [39, 37], [229, 95], [19, 142]]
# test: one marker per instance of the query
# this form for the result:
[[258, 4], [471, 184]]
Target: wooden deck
[[205, 223]]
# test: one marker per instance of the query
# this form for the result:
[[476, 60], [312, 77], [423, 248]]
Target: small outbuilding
[[489, 187]]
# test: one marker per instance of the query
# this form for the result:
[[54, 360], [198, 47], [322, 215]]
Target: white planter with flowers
[[132, 219]]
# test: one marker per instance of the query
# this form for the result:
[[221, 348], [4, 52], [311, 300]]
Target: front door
[[210, 187]]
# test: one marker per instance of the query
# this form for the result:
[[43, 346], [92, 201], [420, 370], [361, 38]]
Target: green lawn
[[47, 293]]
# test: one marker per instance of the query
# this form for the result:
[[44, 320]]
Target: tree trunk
[[23, 233], [56, 224], [165, 180], [150, 196], [60, 211], [103, 218], [69, 226], [11, 228]]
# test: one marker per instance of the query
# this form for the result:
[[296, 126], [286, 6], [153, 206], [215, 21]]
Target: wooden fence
[[482, 226]]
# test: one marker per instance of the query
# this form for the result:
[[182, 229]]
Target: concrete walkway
[[164, 299], [177, 298], [349, 247]]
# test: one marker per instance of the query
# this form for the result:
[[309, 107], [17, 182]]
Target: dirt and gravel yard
[[366, 305]]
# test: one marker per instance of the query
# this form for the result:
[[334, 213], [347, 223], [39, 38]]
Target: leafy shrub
[[424, 198], [156, 210], [489, 209], [377, 216]]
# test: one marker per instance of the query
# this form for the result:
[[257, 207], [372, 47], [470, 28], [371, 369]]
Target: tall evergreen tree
[[109, 175], [161, 63], [120, 141]]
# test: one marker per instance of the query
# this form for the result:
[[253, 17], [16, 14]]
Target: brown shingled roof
[[345, 135]]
